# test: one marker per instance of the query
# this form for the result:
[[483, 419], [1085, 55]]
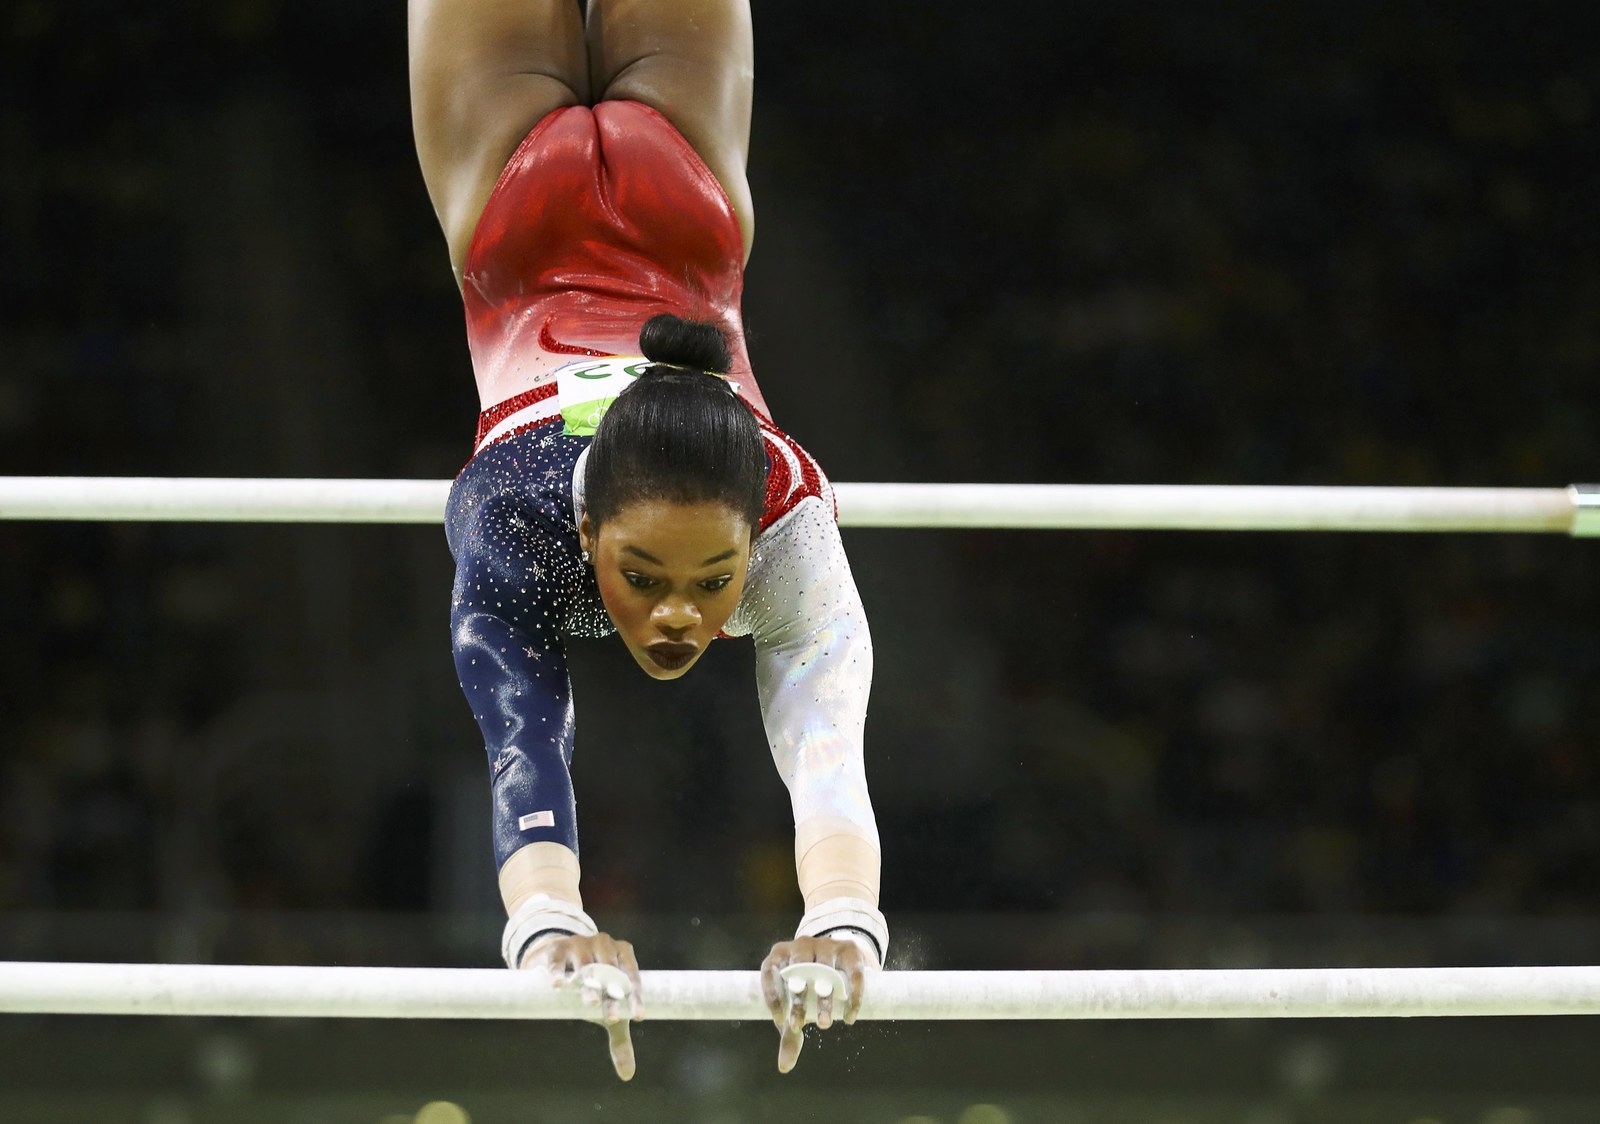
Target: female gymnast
[[589, 173]]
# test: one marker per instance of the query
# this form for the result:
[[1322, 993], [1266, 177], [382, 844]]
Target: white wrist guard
[[849, 919], [537, 916]]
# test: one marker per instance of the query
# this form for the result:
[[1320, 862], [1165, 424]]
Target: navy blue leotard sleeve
[[520, 589]]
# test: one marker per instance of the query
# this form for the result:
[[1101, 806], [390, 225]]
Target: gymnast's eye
[[716, 585], [638, 580]]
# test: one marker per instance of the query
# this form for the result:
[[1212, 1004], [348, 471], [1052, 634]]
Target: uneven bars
[[480, 993], [1194, 507]]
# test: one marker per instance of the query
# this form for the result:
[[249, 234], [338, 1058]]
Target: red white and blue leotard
[[603, 218]]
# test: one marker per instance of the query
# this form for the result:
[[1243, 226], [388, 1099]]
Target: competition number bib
[[587, 389]]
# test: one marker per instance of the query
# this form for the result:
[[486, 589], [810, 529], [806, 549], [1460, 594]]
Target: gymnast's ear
[[586, 536]]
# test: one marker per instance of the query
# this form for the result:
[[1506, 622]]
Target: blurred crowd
[[1343, 245]]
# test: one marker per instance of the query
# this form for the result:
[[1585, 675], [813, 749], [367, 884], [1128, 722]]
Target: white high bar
[[480, 993], [1189, 507]]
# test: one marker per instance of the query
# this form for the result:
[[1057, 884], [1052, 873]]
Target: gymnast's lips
[[670, 655]]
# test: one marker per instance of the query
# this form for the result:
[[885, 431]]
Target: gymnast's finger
[[563, 961], [790, 1039], [772, 987], [621, 1048], [629, 963], [610, 993], [798, 993], [856, 980], [824, 992]]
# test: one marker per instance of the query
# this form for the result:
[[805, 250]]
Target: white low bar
[[1194, 507], [479, 993]]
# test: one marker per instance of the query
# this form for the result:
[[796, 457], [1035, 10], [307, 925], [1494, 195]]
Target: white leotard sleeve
[[813, 665]]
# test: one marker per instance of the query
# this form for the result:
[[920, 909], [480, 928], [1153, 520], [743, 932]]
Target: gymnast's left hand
[[789, 1011]]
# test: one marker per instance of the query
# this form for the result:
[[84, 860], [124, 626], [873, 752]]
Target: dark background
[[1169, 243]]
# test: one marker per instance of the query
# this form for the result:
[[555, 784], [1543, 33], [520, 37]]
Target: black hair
[[679, 433]]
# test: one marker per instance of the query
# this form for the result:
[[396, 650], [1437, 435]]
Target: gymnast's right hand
[[571, 962]]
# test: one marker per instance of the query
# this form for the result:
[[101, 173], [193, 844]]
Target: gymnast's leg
[[483, 74], [693, 61]]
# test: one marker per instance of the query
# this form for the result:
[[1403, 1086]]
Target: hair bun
[[696, 344]]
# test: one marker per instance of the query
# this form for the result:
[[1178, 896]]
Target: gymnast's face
[[670, 575]]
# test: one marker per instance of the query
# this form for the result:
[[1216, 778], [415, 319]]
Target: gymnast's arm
[[516, 571], [813, 676]]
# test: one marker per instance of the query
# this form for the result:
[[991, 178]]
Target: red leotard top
[[602, 218]]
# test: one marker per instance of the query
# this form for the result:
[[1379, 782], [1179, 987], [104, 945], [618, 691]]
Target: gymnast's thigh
[[483, 74], [693, 62]]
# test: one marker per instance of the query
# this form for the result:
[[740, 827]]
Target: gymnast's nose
[[675, 615]]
